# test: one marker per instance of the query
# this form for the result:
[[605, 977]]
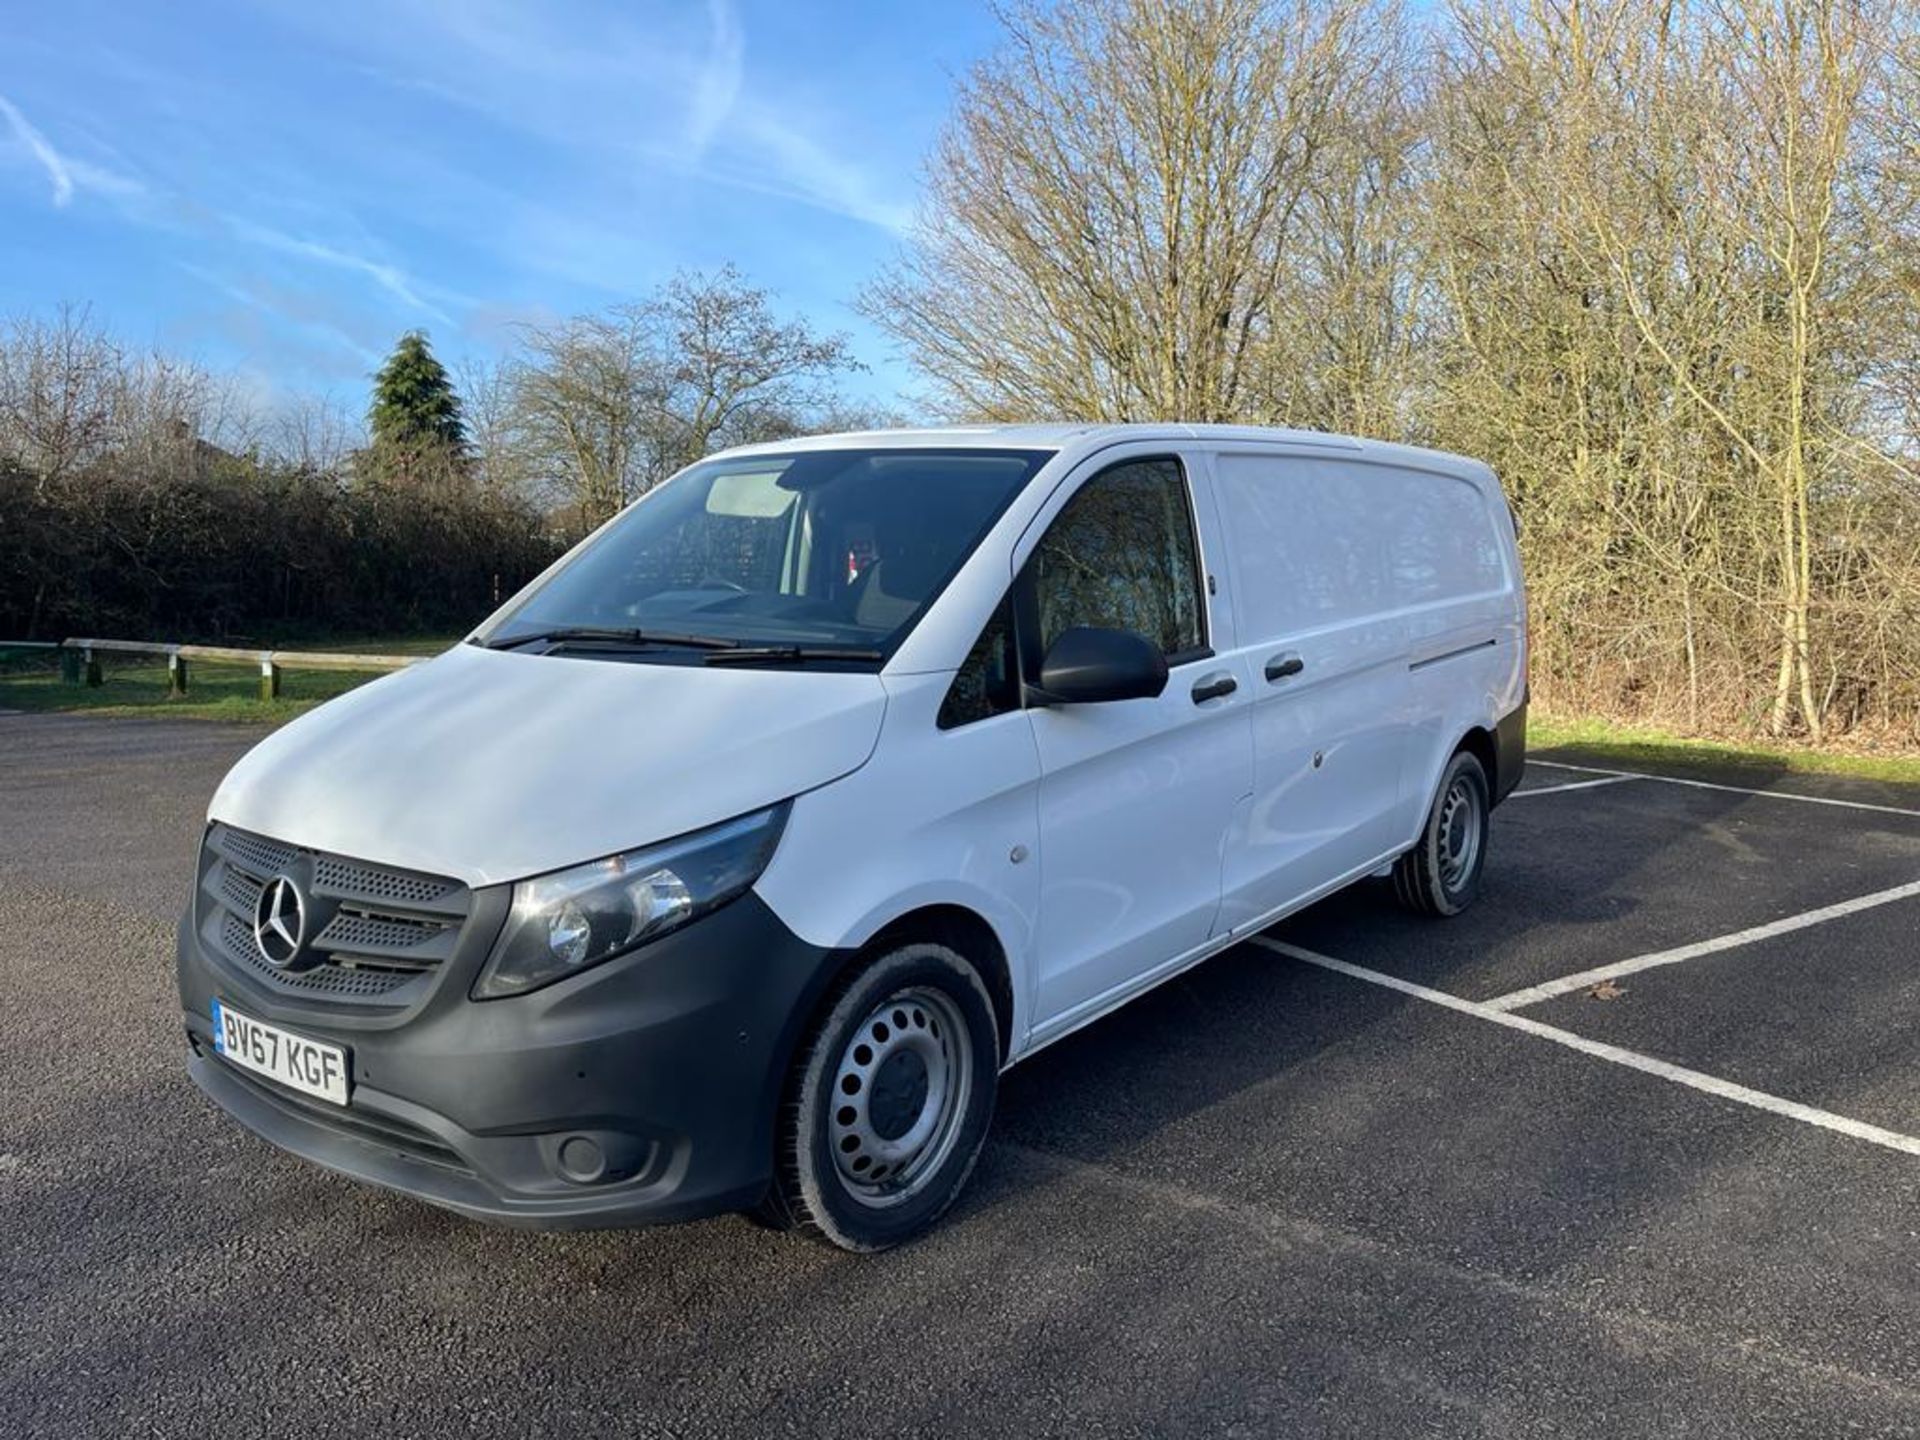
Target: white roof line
[[1066, 435]]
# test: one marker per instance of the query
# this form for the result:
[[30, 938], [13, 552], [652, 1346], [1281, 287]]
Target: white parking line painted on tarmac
[[1632, 1060], [1574, 785], [1586, 979], [1732, 789]]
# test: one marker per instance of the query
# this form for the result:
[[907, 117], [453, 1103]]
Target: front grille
[[254, 852], [350, 877], [375, 933], [239, 891], [393, 940]]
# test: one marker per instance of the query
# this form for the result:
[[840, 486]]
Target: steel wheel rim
[[1459, 833], [900, 1095]]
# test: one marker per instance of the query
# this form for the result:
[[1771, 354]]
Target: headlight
[[564, 922]]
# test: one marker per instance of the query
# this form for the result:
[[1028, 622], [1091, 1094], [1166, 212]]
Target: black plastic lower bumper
[[639, 1091], [1510, 752]]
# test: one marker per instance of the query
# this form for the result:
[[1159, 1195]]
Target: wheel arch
[[962, 930], [944, 923], [1479, 742]]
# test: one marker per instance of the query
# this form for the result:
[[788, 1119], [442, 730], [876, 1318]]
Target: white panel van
[[729, 864]]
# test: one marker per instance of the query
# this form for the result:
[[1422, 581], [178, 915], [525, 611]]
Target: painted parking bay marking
[[1646, 1064], [1575, 785], [1567, 984], [1730, 789]]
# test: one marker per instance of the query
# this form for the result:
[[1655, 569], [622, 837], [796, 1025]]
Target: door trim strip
[[1477, 645]]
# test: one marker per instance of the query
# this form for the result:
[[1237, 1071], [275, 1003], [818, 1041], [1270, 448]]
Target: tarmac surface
[[1347, 1183]]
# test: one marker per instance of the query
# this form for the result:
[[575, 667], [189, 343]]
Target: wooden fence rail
[[80, 661]]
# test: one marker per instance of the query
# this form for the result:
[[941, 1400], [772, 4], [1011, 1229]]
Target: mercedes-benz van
[[728, 865]]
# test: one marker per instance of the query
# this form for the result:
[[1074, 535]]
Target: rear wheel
[[1441, 874], [890, 1101]]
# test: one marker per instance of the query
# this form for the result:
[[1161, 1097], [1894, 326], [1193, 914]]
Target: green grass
[[1632, 747], [215, 691]]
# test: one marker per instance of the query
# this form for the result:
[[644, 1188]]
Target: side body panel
[[1325, 647], [1468, 665]]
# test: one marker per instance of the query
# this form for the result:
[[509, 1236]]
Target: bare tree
[[606, 406], [732, 367], [488, 401], [1667, 236], [1352, 347], [57, 391], [1113, 212], [171, 415], [585, 399], [314, 434]]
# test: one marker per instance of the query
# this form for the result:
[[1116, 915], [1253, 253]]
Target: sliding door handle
[[1285, 664], [1213, 687]]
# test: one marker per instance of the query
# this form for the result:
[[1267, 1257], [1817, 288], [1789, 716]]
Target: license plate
[[312, 1067]]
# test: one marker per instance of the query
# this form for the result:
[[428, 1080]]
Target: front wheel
[[1441, 874], [890, 1101]]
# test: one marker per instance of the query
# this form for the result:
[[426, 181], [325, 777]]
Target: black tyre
[[1441, 874], [889, 1102]]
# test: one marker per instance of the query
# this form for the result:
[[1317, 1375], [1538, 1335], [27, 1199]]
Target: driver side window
[[1122, 555]]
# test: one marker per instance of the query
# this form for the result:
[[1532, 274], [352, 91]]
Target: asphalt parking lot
[[1379, 1176]]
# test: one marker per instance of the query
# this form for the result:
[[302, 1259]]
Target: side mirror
[[1086, 666]]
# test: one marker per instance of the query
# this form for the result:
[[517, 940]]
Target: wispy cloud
[[717, 84], [593, 84], [177, 212], [298, 318], [341, 171], [780, 160], [389, 278], [67, 174], [41, 149], [168, 211], [745, 144]]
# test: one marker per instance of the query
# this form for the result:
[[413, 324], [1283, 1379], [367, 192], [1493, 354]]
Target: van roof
[[1084, 436]]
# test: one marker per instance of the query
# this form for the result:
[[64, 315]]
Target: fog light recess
[[582, 1160]]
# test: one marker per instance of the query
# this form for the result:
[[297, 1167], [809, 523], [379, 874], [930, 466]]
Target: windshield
[[807, 553]]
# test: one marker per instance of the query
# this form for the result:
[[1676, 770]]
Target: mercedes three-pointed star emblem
[[279, 921]]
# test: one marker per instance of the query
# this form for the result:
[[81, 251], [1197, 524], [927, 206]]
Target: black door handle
[[1281, 666], [1212, 687]]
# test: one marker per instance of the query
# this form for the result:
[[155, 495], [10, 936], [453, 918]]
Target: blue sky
[[281, 187]]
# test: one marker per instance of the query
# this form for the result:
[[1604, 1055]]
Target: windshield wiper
[[604, 635], [789, 654]]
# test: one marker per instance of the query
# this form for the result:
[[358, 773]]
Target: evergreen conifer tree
[[415, 406]]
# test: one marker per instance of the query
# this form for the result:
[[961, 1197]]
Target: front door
[[1136, 796]]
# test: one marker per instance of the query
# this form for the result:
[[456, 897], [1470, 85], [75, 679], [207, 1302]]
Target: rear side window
[[1318, 542], [1122, 555]]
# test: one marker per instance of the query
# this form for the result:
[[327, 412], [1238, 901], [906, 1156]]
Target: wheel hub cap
[[1459, 833], [900, 1093], [900, 1088]]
